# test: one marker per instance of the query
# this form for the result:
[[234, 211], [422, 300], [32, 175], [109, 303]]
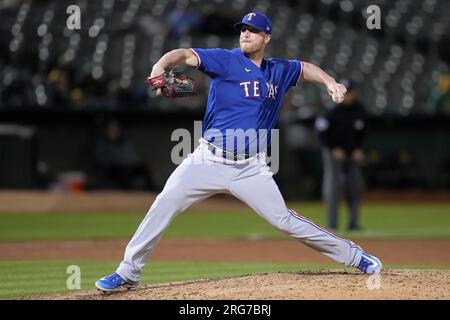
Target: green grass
[[27, 278], [415, 221], [46, 277]]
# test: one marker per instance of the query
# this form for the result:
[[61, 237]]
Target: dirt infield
[[96, 201], [428, 252], [336, 284], [342, 285], [112, 201]]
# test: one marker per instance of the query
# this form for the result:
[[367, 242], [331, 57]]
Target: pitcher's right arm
[[174, 57]]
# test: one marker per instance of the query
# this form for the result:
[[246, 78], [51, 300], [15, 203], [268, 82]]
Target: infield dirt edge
[[392, 284]]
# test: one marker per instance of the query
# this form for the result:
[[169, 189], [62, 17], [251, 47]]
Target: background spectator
[[440, 97], [182, 21], [117, 163]]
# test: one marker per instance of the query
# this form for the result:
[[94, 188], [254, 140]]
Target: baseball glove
[[173, 84]]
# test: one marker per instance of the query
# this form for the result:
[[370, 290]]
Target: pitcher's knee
[[282, 221]]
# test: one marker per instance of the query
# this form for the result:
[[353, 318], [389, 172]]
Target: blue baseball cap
[[256, 20]]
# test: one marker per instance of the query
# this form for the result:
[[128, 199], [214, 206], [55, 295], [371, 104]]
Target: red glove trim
[[156, 82]]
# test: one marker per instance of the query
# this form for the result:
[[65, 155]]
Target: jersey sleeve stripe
[[300, 74], [198, 58]]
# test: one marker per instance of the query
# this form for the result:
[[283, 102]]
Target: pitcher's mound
[[334, 284]]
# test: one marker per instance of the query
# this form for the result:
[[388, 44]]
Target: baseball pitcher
[[246, 94]]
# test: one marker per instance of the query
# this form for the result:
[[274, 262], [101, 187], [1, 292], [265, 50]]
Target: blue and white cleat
[[113, 282], [369, 264]]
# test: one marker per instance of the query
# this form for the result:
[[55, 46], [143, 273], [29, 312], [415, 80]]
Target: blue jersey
[[243, 97]]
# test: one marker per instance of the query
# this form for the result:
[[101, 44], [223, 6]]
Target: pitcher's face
[[252, 40]]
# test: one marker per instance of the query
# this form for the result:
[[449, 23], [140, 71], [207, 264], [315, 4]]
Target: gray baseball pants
[[203, 174]]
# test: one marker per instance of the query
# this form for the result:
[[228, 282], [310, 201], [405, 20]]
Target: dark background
[[58, 87]]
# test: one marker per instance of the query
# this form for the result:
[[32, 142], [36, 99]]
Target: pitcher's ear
[[267, 38]]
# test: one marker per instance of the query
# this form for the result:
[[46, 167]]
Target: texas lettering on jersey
[[251, 89]]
